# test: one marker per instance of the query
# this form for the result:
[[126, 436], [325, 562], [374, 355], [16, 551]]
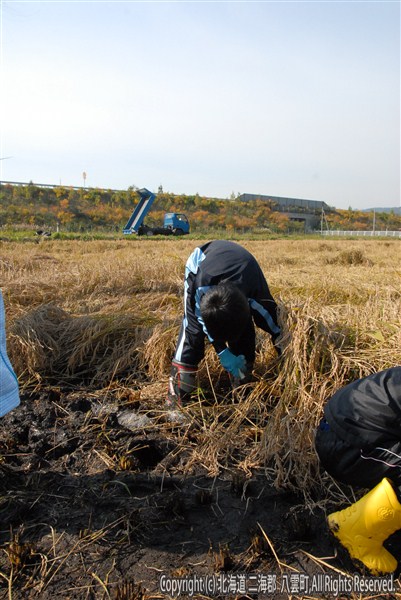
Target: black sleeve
[[263, 305]]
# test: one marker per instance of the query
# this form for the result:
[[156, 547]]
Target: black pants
[[356, 466]]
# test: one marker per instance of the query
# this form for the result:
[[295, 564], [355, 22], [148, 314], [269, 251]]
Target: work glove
[[235, 365]]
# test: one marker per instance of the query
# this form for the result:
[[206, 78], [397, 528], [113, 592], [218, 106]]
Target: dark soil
[[93, 507]]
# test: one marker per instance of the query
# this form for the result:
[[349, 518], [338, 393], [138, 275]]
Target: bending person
[[225, 295]]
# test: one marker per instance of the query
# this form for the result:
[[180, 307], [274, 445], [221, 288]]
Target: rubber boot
[[181, 385], [362, 527]]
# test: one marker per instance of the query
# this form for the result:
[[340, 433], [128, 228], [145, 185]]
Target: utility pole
[[322, 221]]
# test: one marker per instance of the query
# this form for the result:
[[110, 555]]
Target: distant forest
[[79, 209]]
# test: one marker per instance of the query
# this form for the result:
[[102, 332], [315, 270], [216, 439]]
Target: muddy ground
[[94, 505]]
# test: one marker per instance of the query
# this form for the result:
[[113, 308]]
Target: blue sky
[[295, 99]]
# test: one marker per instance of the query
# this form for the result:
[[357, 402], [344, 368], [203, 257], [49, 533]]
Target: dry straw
[[51, 345], [323, 355], [111, 316]]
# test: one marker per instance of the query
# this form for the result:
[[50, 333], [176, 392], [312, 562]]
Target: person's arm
[[264, 309], [264, 314], [9, 390]]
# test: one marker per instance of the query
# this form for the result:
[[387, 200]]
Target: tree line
[[80, 209]]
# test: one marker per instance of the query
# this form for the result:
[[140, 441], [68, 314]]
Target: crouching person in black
[[225, 296], [359, 443]]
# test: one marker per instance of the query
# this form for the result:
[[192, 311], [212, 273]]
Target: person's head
[[225, 311]]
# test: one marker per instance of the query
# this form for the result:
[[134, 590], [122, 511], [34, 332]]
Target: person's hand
[[236, 365], [280, 343]]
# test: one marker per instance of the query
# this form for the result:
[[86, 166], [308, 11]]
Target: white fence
[[363, 233]]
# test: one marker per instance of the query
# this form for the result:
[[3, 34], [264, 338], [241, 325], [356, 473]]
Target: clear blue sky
[[296, 99]]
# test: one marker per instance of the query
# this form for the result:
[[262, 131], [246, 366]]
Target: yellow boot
[[363, 527]]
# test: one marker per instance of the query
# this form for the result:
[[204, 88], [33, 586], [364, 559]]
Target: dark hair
[[225, 311]]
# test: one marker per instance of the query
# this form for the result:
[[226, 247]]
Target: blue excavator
[[174, 223]]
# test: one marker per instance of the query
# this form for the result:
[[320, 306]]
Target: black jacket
[[206, 267], [367, 412]]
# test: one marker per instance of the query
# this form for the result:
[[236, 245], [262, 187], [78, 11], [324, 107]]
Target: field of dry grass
[[100, 492], [105, 314]]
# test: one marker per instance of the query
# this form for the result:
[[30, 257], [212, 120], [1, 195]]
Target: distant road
[[56, 185]]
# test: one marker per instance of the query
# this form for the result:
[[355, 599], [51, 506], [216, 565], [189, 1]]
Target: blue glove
[[235, 365]]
